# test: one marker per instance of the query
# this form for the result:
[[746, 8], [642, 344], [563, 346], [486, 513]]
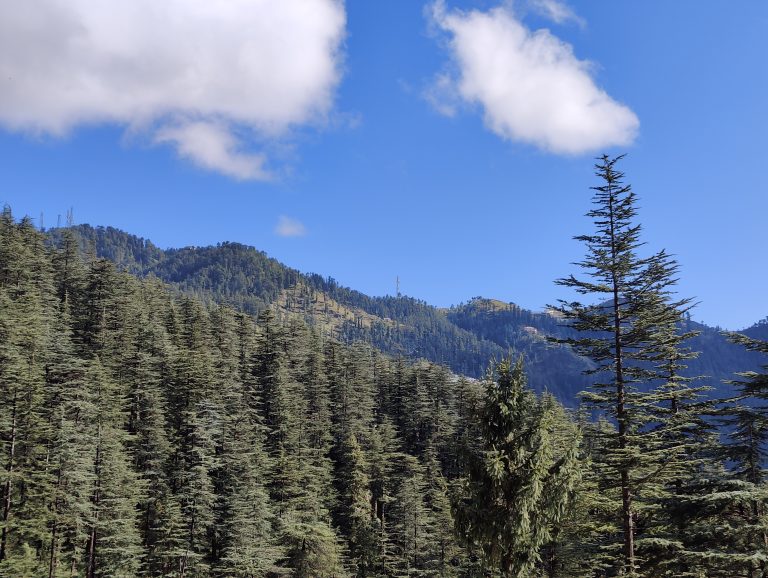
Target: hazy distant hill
[[464, 337], [513, 327], [759, 330]]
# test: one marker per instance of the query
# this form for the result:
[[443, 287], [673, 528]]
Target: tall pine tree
[[626, 332]]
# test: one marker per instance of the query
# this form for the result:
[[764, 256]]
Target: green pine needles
[[656, 457], [520, 475]]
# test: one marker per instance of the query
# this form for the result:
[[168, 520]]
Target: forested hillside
[[464, 337], [517, 329], [144, 432], [759, 330]]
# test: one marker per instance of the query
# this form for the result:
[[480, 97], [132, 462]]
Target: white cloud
[[529, 84], [558, 12], [288, 227], [189, 72], [214, 147]]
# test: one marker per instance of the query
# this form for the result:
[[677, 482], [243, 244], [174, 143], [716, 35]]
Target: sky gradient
[[450, 144]]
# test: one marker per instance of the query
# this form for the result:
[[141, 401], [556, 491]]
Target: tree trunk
[[7, 487], [621, 416], [91, 568], [54, 558]]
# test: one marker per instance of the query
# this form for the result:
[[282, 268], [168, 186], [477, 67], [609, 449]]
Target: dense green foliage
[[463, 338], [520, 479], [144, 433], [248, 280], [658, 459], [629, 331]]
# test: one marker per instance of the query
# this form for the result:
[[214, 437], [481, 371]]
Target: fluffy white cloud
[[191, 72], [214, 147], [288, 227], [529, 84]]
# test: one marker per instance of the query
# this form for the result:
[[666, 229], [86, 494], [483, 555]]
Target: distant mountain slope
[[759, 330], [464, 337], [513, 327], [250, 280], [516, 329]]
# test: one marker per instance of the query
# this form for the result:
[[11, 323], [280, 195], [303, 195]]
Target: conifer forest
[[170, 415]]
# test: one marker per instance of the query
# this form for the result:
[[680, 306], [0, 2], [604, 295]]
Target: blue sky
[[450, 144]]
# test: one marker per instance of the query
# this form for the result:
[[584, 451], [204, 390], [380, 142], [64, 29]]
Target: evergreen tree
[[350, 371], [70, 272], [354, 514], [302, 525], [464, 441], [409, 524], [26, 317], [384, 447], [313, 551], [71, 471], [144, 433], [113, 545], [195, 425], [147, 370], [244, 544], [582, 544], [318, 420], [746, 417], [626, 334], [444, 555], [518, 486]]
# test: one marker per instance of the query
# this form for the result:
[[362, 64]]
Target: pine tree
[[94, 306], [463, 442], [147, 370], [682, 434], [70, 273], [113, 546], [384, 447], [354, 513], [747, 420], [313, 551], [71, 470], [624, 333], [27, 310], [195, 425], [753, 383], [518, 486], [318, 419], [444, 555], [410, 523], [414, 410], [244, 544], [302, 524], [582, 543], [350, 372], [277, 389]]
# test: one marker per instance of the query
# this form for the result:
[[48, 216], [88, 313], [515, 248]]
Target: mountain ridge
[[464, 337]]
